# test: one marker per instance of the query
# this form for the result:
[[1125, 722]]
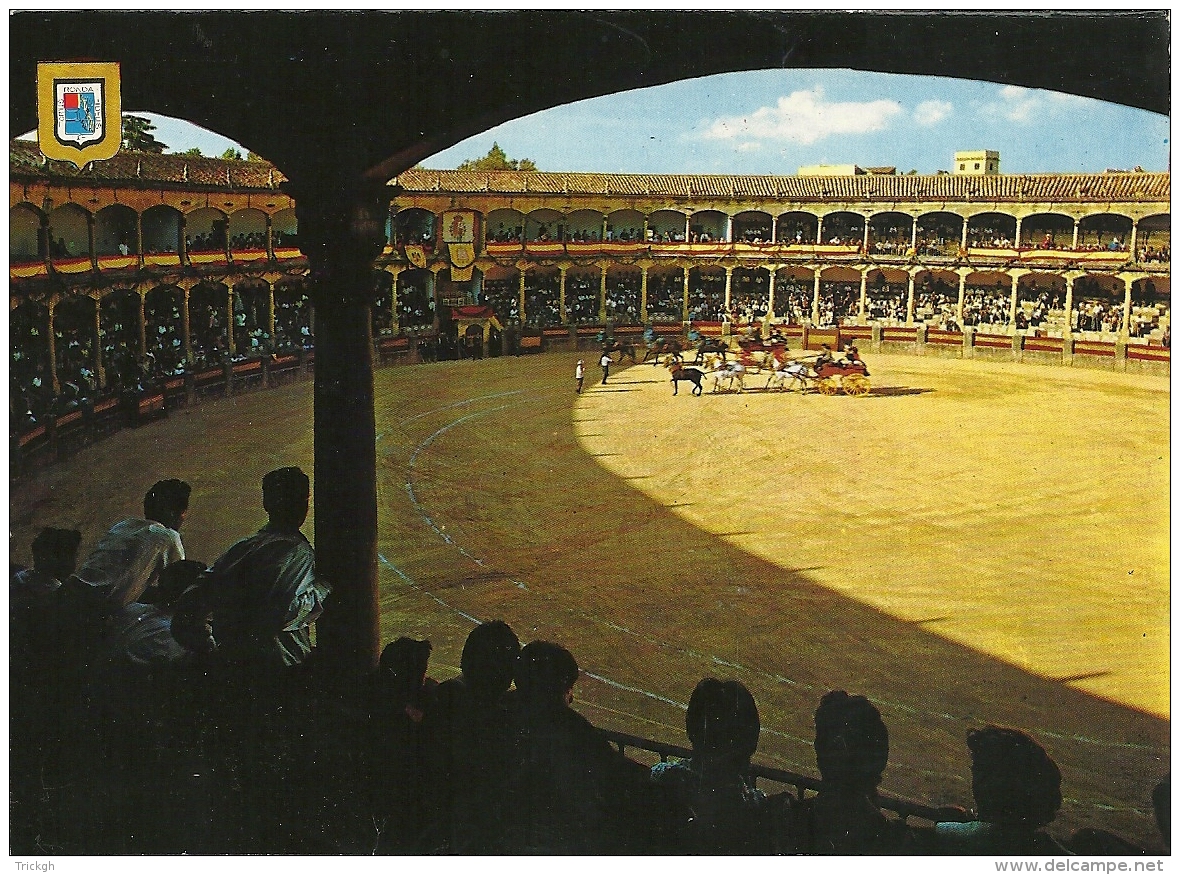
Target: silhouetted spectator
[[470, 747], [573, 792], [723, 812], [402, 696], [851, 751], [263, 593], [1017, 790], [130, 556], [55, 555]]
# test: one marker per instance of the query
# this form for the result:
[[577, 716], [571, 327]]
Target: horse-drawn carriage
[[832, 378]]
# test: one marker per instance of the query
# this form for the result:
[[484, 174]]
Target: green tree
[[497, 159], [258, 159], [137, 135], [231, 154], [194, 152]]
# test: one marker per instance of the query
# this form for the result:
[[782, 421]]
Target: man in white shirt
[[131, 555]]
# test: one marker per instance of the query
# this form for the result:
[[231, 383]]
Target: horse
[[623, 347], [732, 374], [692, 375], [794, 371], [711, 345], [661, 346]]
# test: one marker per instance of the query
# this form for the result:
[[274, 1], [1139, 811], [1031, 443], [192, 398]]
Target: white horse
[[732, 375], [787, 375]]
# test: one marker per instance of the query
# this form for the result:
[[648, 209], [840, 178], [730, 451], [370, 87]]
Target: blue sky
[[775, 121]]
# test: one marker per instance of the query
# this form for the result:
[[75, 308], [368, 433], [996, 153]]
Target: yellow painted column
[[815, 299], [1126, 329], [643, 286], [773, 271], [1012, 301], [561, 298], [864, 294], [684, 308], [728, 287], [962, 295], [602, 293], [521, 299], [186, 288], [909, 301], [1069, 303]]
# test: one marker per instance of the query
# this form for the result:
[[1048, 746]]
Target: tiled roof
[[25, 161], [1051, 187]]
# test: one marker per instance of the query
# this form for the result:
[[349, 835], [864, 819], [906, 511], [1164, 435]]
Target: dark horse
[[623, 347], [710, 345], [692, 375], [664, 346]]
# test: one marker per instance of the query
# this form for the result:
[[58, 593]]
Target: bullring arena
[[972, 542]]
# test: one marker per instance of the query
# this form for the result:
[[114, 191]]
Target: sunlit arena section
[[822, 506]]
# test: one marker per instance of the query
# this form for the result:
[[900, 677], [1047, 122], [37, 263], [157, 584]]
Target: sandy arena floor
[[971, 543]]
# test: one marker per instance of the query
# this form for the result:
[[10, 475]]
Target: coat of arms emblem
[[79, 114]]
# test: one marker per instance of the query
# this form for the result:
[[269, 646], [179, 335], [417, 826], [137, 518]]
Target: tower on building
[[981, 162]]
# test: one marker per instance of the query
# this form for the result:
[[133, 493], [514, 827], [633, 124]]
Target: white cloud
[[805, 117], [930, 112], [1016, 104], [753, 146]]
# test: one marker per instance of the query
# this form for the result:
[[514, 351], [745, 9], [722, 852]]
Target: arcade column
[[341, 232]]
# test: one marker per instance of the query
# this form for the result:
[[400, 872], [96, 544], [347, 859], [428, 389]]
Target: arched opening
[[252, 318], [415, 298], [205, 232], [114, 231], [749, 294], [73, 330], [582, 295], [887, 292], [284, 228], [294, 325], [69, 238], [666, 226], [987, 298], [991, 231], [797, 229], [624, 226], [542, 297], [209, 324], [623, 292], [839, 296], [752, 226], [794, 289], [29, 381], [247, 231], [1104, 232], [939, 234], [890, 233], [706, 294], [1151, 304], [119, 315], [161, 230], [583, 226], [414, 227], [707, 226], [163, 317], [1047, 231], [1097, 306], [505, 226], [25, 241], [1153, 239], [665, 294], [843, 228], [1037, 296], [544, 226], [501, 292], [936, 298], [382, 310]]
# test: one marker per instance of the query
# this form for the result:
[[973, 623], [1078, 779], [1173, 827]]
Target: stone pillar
[[773, 232], [1068, 330], [962, 295], [520, 298], [914, 235], [773, 271], [1018, 243], [231, 325], [340, 232], [687, 229], [565, 316], [815, 300], [864, 246], [270, 303], [864, 295], [1012, 301], [270, 248], [99, 373], [643, 284], [819, 230], [139, 238], [395, 321], [90, 247], [186, 288], [182, 239], [141, 321], [729, 229], [604, 223], [963, 242], [728, 287], [602, 293], [1075, 233], [1131, 246], [53, 381], [684, 306], [1125, 330], [909, 301]]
